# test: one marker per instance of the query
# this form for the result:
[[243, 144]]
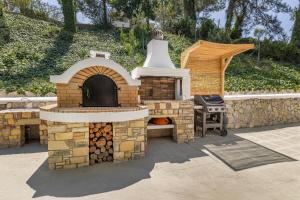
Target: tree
[[131, 7], [243, 15], [68, 8], [22, 5], [183, 16], [4, 31], [259, 33], [296, 29], [96, 10]]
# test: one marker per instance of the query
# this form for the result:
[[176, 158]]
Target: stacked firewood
[[101, 142]]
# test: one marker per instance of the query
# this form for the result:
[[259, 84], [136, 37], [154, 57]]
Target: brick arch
[[70, 94], [84, 74]]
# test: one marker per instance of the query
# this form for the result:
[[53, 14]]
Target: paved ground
[[170, 171]]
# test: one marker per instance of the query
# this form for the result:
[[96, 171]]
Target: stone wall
[[181, 113], [157, 88], [70, 95], [25, 102], [129, 140], [68, 144], [12, 124], [262, 111]]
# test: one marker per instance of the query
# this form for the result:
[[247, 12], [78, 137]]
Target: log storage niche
[[100, 142]]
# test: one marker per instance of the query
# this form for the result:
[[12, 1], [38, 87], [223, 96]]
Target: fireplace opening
[[101, 142], [160, 127], [30, 133], [99, 91]]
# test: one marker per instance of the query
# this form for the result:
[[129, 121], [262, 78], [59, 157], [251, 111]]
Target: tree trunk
[[68, 7], [189, 9], [104, 5], [237, 31], [229, 15], [296, 30]]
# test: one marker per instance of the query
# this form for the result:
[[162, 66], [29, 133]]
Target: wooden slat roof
[[205, 51]]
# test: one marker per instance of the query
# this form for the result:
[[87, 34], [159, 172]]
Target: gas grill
[[210, 113]]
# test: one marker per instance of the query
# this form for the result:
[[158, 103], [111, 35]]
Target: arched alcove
[[99, 91]]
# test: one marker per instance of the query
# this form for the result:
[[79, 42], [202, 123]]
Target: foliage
[[38, 49], [128, 8], [243, 75], [68, 8], [207, 26], [4, 31], [94, 10], [280, 51], [296, 29], [242, 16]]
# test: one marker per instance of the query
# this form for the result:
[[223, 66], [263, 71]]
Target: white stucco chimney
[[158, 55]]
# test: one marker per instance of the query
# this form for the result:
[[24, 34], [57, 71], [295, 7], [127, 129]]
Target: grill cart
[[210, 113]]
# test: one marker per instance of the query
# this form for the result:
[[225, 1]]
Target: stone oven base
[[68, 143]]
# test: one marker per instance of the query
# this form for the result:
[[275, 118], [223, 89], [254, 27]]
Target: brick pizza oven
[[97, 117], [105, 114]]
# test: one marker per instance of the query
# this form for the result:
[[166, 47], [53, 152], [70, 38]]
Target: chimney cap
[[99, 54]]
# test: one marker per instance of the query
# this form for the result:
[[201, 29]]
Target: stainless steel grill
[[210, 113]]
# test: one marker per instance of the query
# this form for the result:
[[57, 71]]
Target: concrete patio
[[169, 171]]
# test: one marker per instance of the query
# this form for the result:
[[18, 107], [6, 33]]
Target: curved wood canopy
[[207, 62]]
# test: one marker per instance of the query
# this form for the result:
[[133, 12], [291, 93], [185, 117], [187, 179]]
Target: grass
[[39, 49]]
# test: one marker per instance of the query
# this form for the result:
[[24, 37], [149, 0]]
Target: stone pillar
[[129, 140], [68, 145]]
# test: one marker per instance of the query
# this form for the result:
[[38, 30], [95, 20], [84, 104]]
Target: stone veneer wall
[[26, 102], [70, 95], [257, 112], [11, 126], [157, 88], [181, 113], [129, 139], [68, 143]]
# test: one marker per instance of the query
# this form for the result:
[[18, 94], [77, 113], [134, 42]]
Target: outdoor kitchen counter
[[92, 114]]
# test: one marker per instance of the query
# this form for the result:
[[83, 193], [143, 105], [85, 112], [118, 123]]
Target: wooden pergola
[[207, 62]]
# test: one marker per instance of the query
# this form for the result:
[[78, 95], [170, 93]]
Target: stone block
[[118, 155], [81, 143], [137, 123], [57, 129], [80, 129], [54, 159], [140, 138], [8, 116], [70, 166], [81, 151], [78, 159], [75, 125], [15, 131], [64, 136], [26, 115], [29, 121], [57, 145], [127, 146], [11, 121]]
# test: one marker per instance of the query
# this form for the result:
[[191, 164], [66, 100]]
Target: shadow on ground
[[26, 148], [107, 177]]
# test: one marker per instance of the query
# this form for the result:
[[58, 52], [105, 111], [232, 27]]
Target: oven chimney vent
[[158, 55], [99, 54]]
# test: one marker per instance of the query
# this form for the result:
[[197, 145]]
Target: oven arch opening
[[99, 91]]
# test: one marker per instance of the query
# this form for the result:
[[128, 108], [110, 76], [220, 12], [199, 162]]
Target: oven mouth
[[99, 91]]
